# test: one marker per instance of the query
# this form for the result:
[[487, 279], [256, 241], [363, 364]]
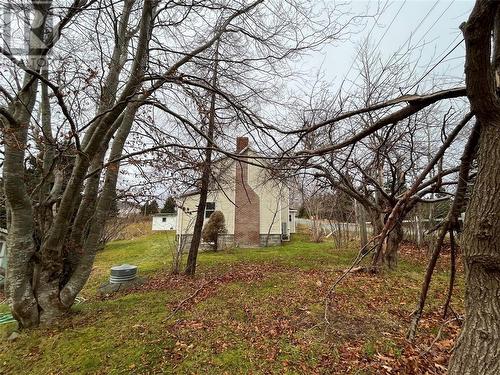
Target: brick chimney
[[247, 201], [241, 144]]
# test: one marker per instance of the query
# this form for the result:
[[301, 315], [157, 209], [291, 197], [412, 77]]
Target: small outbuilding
[[164, 221]]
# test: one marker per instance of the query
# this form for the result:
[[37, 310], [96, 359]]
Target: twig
[[361, 255], [190, 297], [438, 336], [451, 218], [452, 274]]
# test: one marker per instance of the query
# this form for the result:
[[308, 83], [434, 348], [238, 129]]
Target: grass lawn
[[254, 311]]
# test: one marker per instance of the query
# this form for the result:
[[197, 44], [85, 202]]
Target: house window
[[164, 219], [209, 209], [289, 217]]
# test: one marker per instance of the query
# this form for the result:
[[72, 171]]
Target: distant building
[[164, 221], [255, 204]]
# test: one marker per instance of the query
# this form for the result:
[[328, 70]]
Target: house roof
[[165, 214]]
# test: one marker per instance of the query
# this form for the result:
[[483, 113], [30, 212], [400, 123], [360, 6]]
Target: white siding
[[273, 196], [223, 202], [270, 192], [164, 222]]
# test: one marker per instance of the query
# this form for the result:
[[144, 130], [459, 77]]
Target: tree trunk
[[91, 243], [478, 348], [377, 227], [391, 250], [35, 275], [363, 233], [205, 178], [198, 225], [47, 294], [418, 231], [22, 254]]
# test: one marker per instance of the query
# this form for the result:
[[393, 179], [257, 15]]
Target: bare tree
[[50, 261], [477, 349], [376, 169], [206, 172], [98, 109]]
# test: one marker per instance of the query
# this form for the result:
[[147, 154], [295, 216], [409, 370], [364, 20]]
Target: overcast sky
[[433, 23]]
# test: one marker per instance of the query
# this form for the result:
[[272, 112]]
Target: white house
[[255, 204], [164, 221]]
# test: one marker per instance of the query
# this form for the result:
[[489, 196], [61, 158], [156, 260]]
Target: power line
[[369, 34], [388, 27], [428, 30], [435, 65], [420, 23], [422, 37], [378, 43], [436, 21]]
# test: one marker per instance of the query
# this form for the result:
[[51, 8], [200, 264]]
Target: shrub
[[215, 226]]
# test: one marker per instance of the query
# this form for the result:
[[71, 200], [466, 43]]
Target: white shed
[[164, 221]]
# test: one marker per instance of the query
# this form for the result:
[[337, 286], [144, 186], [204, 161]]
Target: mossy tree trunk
[[45, 276]]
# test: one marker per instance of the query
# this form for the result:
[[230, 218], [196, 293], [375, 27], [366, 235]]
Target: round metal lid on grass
[[123, 273]]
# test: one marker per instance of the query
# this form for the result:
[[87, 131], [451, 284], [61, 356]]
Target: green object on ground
[[6, 318]]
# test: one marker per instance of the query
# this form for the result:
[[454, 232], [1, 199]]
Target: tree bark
[[418, 231], [91, 243], [478, 348], [392, 246], [378, 227], [22, 249]]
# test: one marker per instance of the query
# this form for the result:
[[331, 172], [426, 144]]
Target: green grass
[[149, 253], [263, 314]]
